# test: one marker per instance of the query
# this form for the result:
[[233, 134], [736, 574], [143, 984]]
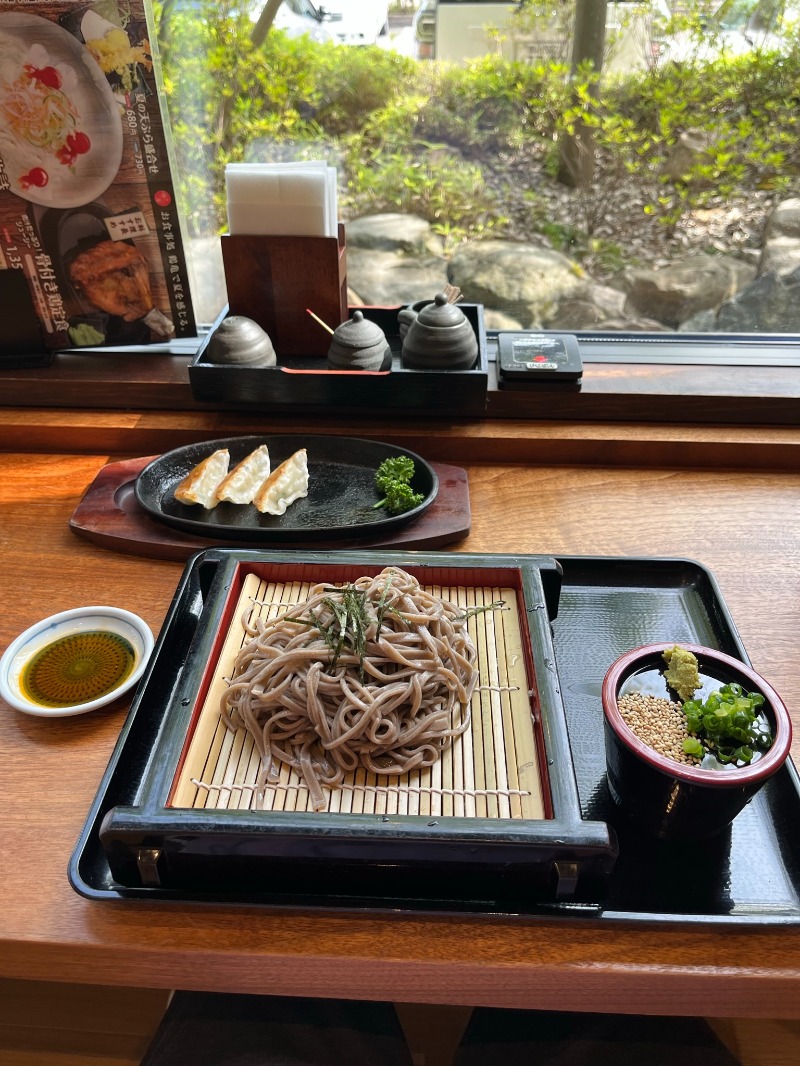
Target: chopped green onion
[[727, 725]]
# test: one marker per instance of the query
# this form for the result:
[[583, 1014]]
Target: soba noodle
[[377, 674]]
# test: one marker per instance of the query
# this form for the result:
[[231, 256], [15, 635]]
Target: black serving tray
[[750, 875], [306, 383], [266, 855]]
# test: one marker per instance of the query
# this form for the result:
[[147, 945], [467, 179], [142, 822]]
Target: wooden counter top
[[632, 492]]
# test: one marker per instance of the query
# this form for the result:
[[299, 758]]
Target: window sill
[[610, 391], [141, 430]]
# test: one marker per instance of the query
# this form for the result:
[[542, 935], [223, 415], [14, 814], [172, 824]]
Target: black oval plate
[[341, 490]]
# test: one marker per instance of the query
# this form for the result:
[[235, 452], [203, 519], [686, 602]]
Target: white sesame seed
[[657, 722]]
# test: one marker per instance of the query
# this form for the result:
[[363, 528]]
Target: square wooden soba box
[[497, 816]]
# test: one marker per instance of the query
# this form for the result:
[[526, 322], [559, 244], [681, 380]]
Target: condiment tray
[[596, 608], [305, 383]]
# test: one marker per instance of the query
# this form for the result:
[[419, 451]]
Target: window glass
[[660, 196]]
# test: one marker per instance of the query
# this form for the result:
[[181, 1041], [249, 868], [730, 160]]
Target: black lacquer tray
[[306, 383], [748, 876]]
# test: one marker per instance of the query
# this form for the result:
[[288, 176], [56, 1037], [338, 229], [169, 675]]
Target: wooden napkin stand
[[274, 279]]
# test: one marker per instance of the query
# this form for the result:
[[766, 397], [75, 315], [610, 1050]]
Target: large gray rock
[[784, 220], [781, 255], [770, 305], [497, 320], [586, 310], [678, 291], [781, 251], [524, 286], [702, 322], [393, 233], [520, 280], [387, 279]]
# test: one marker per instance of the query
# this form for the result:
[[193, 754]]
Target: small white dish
[[79, 620]]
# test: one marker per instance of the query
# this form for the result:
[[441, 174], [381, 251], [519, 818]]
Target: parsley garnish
[[393, 480]]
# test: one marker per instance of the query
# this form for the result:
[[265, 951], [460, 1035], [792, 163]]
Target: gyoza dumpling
[[284, 485], [201, 483], [241, 485]]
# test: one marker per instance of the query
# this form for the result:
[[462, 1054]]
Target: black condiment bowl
[[668, 799]]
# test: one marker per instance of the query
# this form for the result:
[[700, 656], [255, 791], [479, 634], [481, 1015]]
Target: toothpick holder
[[274, 279]]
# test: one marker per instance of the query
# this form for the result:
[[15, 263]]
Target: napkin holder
[[273, 279]]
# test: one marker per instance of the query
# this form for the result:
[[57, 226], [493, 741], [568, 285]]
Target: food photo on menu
[[87, 203]]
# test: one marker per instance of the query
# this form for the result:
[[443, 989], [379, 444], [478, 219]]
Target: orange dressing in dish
[[77, 669]]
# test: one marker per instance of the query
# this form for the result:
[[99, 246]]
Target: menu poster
[[87, 203]]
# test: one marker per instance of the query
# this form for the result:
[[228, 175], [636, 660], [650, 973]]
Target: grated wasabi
[[682, 673]]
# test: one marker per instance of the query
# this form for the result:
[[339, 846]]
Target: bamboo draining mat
[[491, 770]]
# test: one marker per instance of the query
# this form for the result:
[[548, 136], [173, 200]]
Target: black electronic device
[[528, 357]]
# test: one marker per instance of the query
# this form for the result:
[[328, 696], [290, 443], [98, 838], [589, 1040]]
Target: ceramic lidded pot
[[439, 337], [407, 315], [359, 344], [239, 341], [666, 798]]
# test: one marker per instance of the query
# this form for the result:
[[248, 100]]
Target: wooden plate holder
[[110, 516], [274, 279]]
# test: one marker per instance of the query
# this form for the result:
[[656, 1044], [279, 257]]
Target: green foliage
[[743, 110], [422, 137], [450, 194], [575, 242], [491, 104], [353, 82], [228, 99]]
